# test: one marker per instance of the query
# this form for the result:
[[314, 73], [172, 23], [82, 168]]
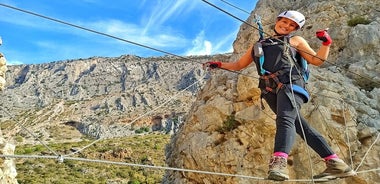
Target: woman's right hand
[[213, 64]]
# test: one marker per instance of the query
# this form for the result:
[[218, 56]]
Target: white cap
[[295, 16]]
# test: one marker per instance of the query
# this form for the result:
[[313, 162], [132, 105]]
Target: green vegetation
[[142, 130], [230, 124], [135, 149], [19, 138], [70, 102], [358, 20]]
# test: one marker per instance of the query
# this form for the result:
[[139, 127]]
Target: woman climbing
[[282, 82]]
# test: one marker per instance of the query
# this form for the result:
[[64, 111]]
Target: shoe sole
[[335, 176], [347, 174], [277, 176]]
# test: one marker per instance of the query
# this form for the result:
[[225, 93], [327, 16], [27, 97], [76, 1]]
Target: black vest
[[276, 60]]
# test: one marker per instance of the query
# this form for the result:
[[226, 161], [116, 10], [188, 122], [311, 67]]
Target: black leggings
[[287, 124]]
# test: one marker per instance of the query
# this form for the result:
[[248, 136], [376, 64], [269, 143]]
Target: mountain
[[98, 98], [101, 97]]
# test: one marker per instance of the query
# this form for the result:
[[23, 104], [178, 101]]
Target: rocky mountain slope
[[233, 135], [3, 69], [70, 101], [100, 97]]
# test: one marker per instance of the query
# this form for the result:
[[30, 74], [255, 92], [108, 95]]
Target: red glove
[[324, 36], [213, 64]]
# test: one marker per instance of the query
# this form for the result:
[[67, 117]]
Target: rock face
[[3, 69], [227, 132], [8, 167]]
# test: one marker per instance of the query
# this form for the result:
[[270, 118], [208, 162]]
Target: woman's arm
[[312, 57], [243, 62]]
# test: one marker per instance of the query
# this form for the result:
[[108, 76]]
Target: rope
[[330, 132], [347, 136], [93, 31], [298, 113], [365, 155], [236, 7], [169, 100], [254, 27], [108, 35], [85, 147], [39, 140], [366, 171], [34, 136], [130, 164], [61, 159], [13, 130], [153, 110]]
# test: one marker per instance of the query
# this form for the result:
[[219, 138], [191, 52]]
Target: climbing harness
[[273, 82]]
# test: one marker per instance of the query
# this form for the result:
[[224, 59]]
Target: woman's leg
[[313, 138], [286, 116], [285, 122], [285, 133]]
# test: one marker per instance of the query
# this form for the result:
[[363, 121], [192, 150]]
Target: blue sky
[[181, 27]]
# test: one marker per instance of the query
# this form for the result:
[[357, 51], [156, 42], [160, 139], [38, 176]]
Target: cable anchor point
[[60, 159]]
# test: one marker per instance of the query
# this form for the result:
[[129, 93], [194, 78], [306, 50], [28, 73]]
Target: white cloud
[[14, 62], [117, 28], [133, 33], [200, 46], [167, 9], [225, 43]]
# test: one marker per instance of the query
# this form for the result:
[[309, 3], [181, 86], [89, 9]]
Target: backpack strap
[[300, 70], [300, 63]]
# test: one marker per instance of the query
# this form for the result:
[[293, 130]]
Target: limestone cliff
[[8, 171], [3, 69], [227, 132], [7, 166]]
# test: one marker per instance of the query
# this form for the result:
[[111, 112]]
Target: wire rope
[[91, 30], [147, 113], [365, 155], [61, 159], [236, 7], [34, 136], [347, 136], [297, 110]]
